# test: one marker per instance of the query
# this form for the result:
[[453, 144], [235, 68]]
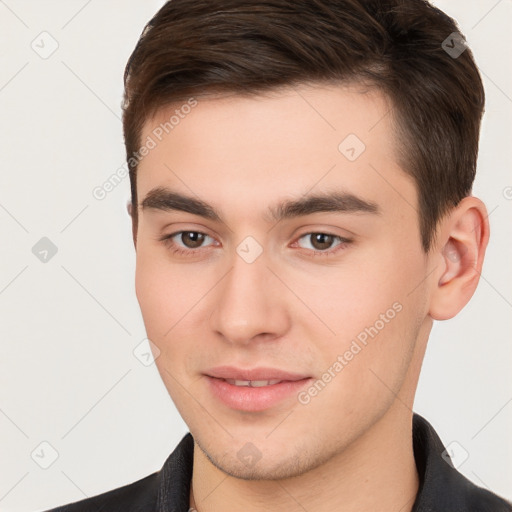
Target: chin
[[260, 467]]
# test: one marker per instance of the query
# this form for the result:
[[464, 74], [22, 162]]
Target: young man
[[301, 177]]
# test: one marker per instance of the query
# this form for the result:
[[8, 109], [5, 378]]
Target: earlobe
[[464, 235]]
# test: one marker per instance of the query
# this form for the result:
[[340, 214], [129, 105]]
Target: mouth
[[253, 383], [258, 374], [255, 389]]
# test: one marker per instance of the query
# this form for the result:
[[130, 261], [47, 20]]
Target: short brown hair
[[247, 47]]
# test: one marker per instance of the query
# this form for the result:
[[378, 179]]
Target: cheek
[[172, 302], [161, 292], [375, 308], [163, 295], [164, 288], [354, 295]]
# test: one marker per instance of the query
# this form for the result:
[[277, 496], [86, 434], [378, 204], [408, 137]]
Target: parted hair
[[196, 48]]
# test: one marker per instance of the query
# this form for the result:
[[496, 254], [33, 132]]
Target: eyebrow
[[164, 199]]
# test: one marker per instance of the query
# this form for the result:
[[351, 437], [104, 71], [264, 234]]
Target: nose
[[250, 304]]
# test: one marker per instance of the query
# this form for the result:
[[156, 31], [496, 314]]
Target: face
[[329, 296]]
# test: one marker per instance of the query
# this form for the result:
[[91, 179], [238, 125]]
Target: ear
[[129, 208], [459, 253]]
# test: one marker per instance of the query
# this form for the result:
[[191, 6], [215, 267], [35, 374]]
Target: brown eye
[[192, 239], [320, 241], [185, 242]]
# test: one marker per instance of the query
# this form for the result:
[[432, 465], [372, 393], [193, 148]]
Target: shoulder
[[486, 501], [170, 486], [139, 496], [477, 498], [442, 486]]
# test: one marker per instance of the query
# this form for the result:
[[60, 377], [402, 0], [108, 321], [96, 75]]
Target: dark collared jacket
[[442, 488]]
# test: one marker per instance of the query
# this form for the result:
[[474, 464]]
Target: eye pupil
[[197, 238], [324, 240]]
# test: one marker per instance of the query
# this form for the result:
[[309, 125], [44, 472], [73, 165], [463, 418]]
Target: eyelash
[[167, 240]]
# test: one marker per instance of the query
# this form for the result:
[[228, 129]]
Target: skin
[[350, 447]]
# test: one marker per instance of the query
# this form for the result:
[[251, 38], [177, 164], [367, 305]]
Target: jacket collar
[[441, 486]]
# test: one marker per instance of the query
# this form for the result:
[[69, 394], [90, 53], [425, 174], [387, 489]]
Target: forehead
[[297, 113], [245, 150]]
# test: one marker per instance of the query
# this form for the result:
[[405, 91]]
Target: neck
[[377, 472]]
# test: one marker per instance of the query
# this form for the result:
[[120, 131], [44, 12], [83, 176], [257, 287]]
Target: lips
[[253, 383], [253, 375], [254, 389]]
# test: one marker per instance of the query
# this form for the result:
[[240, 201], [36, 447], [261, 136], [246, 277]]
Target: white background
[[68, 327]]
